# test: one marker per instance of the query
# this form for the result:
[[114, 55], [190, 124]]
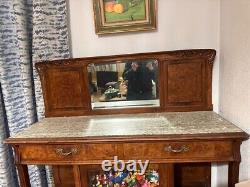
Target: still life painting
[[124, 10], [115, 16]]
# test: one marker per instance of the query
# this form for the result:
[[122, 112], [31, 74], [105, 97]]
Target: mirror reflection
[[122, 84]]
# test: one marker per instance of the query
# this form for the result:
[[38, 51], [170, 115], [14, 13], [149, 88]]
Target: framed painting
[[116, 16]]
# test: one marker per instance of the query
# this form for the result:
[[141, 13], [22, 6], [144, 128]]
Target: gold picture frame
[[117, 16]]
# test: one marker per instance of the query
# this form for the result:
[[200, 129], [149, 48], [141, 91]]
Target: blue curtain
[[30, 31]]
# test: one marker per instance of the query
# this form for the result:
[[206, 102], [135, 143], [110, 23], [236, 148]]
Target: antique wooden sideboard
[[180, 137]]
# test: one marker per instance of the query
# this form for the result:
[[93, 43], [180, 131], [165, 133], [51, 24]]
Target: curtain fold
[[50, 38], [30, 31], [50, 42], [8, 175]]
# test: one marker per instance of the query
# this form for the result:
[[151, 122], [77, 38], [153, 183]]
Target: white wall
[[185, 24], [235, 71], [182, 24]]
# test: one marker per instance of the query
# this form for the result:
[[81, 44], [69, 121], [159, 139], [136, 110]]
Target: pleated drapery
[[30, 31]]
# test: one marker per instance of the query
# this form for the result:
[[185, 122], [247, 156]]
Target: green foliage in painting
[[124, 10]]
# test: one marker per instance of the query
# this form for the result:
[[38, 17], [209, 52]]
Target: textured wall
[[235, 71]]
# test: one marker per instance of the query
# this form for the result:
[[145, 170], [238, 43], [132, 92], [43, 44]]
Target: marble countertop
[[148, 124]]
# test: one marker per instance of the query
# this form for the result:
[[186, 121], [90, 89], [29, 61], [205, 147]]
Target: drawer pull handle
[[183, 149], [62, 152]]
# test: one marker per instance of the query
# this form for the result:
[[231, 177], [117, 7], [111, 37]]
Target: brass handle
[[183, 149], [62, 152]]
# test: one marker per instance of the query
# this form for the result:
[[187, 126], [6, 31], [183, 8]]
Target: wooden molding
[[177, 93]]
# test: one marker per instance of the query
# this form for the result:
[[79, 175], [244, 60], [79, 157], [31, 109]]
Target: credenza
[[164, 139], [171, 125]]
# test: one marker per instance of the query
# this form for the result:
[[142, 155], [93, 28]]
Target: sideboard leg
[[77, 176], [233, 173], [23, 175], [167, 175]]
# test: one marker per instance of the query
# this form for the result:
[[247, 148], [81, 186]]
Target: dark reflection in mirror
[[129, 83]]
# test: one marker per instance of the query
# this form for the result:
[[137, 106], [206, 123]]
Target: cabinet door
[[186, 85], [63, 176], [193, 175], [65, 90]]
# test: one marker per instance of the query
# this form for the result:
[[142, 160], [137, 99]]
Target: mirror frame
[[129, 106]]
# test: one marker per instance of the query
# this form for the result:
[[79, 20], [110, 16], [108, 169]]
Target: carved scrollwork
[[208, 54]]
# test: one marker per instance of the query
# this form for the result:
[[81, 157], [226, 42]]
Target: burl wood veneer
[[163, 138], [177, 144], [185, 83]]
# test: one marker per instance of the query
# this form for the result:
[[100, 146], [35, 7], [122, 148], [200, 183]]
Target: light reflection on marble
[[129, 125]]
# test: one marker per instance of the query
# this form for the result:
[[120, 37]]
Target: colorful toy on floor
[[125, 179]]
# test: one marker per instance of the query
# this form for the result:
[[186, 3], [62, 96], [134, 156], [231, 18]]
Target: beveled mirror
[[124, 84]]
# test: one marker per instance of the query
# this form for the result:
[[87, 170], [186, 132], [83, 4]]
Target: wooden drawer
[[179, 150], [95, 153], [101, 151], [67, 153]]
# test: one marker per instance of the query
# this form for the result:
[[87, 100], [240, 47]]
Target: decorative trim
[[208, 54], [165, 58]]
